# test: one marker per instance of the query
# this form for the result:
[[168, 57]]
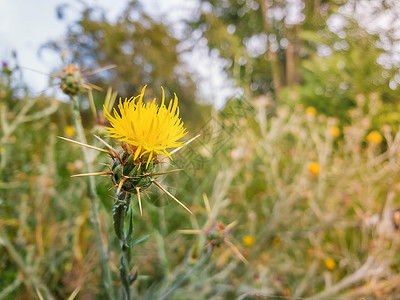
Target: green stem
[[94, 199], [120, 211]]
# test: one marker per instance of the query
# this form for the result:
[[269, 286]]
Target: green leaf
[[139, 240], [124, 275], [119, 212], [130, 230]]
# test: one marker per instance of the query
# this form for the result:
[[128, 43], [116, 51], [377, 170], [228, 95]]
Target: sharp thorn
[[231, 225], [147, 195], [169, 194], [120, 185], [139, 200], [90, 86], [236, 251], [99, 70], [84, 145], [39, 72], [91, 174], [109, 147], [185, 144]]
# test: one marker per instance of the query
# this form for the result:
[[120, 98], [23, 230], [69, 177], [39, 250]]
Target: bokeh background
[[297, 107]]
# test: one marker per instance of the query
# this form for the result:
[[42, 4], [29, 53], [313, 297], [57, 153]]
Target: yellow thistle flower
[[335, 131], [147, 129], [374, 137], [69, 130], [314, 168], [311, 111], [248, 241], [330, 264]]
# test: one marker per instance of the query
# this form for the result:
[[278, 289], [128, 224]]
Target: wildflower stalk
[[120, 211], [94, 199]]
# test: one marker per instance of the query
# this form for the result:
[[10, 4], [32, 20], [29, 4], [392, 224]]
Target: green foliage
[[324, 234], [143, 50], [291, 70], [332, 84], [256, 175]]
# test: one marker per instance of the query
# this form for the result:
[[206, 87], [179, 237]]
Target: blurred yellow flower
[[69, 130], [276, 241], [330, 264], [374, 137], [248, 241], [147, 128], [314, 168], [335, 131], [311, 111]]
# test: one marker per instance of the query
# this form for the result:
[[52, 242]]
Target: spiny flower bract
[[148, 129]]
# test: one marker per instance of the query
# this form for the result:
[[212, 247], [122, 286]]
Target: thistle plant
[[145, 132], [216, 233], [72, 83]]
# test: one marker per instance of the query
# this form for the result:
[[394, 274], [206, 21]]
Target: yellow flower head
[[248, 241], [330, 264], [69, 130], [311, 111], [374, 137], [148, 129], [335, 131], [313, 168]]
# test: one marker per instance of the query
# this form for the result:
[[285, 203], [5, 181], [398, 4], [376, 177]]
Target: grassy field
[[313, 204]]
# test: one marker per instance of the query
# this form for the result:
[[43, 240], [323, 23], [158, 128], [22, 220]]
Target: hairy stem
[[120, 211], [94, 200]]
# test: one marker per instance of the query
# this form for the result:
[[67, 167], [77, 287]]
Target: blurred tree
[[287, 49], [343, 71], [143, 50], [260, 39]]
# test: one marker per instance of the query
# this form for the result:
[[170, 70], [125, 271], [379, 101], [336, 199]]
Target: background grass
[[256, 173], [290, 159]]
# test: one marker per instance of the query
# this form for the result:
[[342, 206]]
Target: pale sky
[[25, 25]]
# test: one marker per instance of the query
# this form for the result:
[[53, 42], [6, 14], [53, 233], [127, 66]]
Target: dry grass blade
[[92, 105], [74, 293], [39, 294], [207, 204], [190, 231]]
